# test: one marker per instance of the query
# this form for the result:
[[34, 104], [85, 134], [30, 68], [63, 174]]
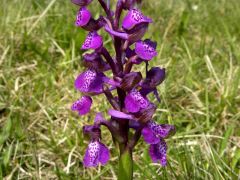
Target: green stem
[[125, 171]]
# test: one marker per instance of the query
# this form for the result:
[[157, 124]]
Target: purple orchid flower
[[96, 153], [134, 101], [90, 81], [92, 41], [146, 49], [83, 17], [82, 105], [133, 18], [126, 90], [153, 132]]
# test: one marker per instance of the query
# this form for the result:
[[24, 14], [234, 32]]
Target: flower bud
[[155, 76], [128, 4], [81, 2], [95, 61], [130, 80], [145, 114], [92, 131], [94, 25]]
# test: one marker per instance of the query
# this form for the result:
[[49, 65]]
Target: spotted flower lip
[[146, 49], [158, 152], [92, 41], [133, 18], [153, 132], [82, 105], [134, 101], [81, 2], [96, 153], [83, 17], [90, 81]]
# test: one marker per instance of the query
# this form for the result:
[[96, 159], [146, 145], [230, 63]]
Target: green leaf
[[6, 131], [235, 159], [125, 171], [224, 142], [6, 155]]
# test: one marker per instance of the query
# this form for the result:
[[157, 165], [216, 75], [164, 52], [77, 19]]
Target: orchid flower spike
[[115, 77]]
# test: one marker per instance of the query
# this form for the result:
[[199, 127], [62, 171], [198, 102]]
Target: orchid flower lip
[[92, 41], [158, 152], [89, 81], [146, 49], [82, 105], [133, 18], [83, 17], [96, 153], [153, 132], [134, 101]]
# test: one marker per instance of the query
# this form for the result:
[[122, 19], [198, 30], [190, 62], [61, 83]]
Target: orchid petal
[[82, 105], [89, 81], [146, 49], [158, 152], [149, 137], [134, 101], [119, 114], [133, 18], [92, 41], [96, 153], [83, 17]]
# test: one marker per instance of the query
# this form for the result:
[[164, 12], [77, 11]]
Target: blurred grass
[[41, 138]]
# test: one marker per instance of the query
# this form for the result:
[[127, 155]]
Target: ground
[[198, 44]]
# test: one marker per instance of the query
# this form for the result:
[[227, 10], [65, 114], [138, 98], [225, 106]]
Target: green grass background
[[199, 44]]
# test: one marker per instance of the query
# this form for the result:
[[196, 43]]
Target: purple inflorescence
[[131, 106]]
